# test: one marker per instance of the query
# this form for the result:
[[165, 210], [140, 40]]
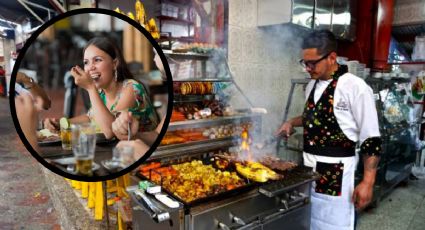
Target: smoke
[[269, 61]]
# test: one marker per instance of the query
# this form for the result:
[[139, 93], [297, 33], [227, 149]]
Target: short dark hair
[[108, 46], [323, 40]]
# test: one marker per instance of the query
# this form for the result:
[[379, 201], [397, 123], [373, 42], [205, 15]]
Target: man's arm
[[287, 127], [370, 164], [35, 89], [363, 192]]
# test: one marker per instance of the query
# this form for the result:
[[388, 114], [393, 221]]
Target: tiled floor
[[403, 209]]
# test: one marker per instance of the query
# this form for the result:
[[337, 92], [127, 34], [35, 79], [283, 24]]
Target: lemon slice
[[64, 123]]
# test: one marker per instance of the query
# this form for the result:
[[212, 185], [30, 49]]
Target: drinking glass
[[124, 155], [65, 134], [83, 147]]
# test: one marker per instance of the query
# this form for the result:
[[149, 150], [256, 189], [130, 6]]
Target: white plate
[[111, 165]]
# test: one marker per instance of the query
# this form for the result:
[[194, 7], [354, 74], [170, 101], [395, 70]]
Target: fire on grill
[[196, 179]]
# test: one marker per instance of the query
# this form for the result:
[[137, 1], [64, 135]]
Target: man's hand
[[285, 130], [362, 195], [363, 192], [120, 126]]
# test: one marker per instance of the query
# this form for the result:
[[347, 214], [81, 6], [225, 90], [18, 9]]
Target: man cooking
[[339, 112]]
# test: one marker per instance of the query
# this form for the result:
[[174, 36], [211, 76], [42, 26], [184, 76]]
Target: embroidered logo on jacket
[[341, 105]]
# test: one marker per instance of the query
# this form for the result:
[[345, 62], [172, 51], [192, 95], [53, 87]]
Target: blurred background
[[58, 48]]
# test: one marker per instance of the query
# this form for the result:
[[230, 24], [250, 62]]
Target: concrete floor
[[403, 209], [25, 201]]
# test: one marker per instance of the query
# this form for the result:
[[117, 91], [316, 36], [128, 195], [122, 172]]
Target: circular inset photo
[[91, 94]]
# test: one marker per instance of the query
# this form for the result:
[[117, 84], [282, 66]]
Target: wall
[[409, 12], [263, 61]]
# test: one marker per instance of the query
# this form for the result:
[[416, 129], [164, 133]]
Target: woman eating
[[111, 88]]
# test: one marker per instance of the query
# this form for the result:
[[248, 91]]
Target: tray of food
[[45, 137], [195, 181]]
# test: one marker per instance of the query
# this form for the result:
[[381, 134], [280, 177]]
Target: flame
[[245, 149]]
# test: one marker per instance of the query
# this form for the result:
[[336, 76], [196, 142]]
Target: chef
[[339, 112]]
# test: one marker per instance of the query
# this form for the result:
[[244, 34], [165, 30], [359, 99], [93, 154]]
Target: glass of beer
[[83, 147], [65, 134]]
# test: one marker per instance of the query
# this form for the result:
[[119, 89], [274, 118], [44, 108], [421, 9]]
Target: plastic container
[[418, 53]]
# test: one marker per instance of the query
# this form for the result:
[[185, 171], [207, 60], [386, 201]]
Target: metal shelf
[[192, 147], [212, 121], [168, 18], [408, 63], [178, 98], [390, 81], [189, 55], [203, 80], [191, 143]]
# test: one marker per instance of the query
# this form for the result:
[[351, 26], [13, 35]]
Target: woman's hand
[[120, 126], [139, 147], [51, 124], [82, 79]]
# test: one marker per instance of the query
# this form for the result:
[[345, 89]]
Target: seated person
[[25, 83], [27, 114], [111, 88], [143, 140]]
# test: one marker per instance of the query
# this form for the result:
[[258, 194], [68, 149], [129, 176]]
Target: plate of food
[[45, 137]]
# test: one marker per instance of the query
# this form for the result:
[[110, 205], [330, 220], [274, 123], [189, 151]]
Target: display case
[[210, 111], [399, 128]]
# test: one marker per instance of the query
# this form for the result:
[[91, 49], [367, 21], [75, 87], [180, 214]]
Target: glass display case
[[210, 111], [399, 125]]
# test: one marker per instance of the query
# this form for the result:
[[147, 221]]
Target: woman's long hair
[[108, 46]]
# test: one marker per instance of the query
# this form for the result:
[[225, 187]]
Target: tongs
[[157, 213]]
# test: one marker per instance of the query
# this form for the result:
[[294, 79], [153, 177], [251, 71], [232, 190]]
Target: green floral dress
[[143, 110]]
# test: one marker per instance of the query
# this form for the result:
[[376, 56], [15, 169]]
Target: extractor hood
[[335, 15]]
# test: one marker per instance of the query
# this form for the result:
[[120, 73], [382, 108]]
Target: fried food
[[194, 180], [257, 172], [47, 135]]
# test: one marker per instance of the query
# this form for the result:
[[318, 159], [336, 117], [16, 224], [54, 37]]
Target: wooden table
[[54, 152]]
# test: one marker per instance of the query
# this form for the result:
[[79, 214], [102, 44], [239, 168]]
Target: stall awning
[[19, 10]]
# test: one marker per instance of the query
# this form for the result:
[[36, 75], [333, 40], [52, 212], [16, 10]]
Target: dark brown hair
[[108, 46], [323, 40]]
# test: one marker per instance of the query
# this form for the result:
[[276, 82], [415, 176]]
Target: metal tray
[[249, 185]]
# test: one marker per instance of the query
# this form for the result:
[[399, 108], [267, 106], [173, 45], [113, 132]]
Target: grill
[[252, 206]]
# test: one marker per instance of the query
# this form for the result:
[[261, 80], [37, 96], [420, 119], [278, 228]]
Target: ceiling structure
[[18, 11]]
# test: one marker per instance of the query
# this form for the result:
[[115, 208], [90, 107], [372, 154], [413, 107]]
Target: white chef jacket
[[354, 106]]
